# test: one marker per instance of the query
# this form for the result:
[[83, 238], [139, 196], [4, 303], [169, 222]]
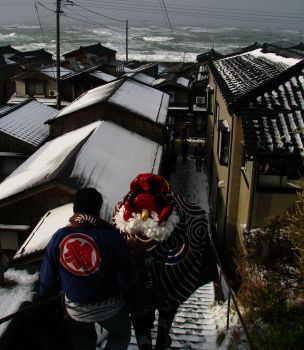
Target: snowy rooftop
[[51, 71], [103, 76], [120, 155], [183, 81], [102, 163], [43, 165], [128, 94], [26, 123], [142, 77], [42, 233], [241, 74]]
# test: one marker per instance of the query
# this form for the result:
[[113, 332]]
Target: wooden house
[[133, 105], [255, 139]]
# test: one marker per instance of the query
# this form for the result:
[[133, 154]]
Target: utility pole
[[58, 52], [127, 48]]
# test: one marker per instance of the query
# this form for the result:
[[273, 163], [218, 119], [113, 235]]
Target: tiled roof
[[26, 122], [274, 122], [265, 87], [247, 74]]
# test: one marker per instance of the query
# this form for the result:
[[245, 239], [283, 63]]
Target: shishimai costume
[[169, 238]]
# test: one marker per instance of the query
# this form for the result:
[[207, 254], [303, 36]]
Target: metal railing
[[230, 293]]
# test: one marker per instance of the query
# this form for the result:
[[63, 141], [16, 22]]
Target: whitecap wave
[[8, 36], [157, 38]]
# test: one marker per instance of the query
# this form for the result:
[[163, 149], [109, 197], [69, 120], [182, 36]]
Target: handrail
[[231, 293], [28, 309]]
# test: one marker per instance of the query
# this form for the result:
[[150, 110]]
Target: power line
[[40, 25], [210, 12], [170, 26], [90, 21], [195, 8], [96, 13]]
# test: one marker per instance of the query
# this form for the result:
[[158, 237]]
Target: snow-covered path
[[194, 325]]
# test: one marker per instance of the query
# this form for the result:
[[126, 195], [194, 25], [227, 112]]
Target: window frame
[[223, 141]]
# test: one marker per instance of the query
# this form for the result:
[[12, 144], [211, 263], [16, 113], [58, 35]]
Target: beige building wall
[[267, 204], [20, 88]]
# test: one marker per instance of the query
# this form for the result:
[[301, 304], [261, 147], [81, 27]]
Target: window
[[210, 99], [223, 142], [35, 87]]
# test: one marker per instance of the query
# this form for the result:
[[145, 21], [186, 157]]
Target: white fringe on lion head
[[149, 228]]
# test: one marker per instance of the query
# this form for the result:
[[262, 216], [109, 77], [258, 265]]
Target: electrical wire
[[40, 25], [170, 26]]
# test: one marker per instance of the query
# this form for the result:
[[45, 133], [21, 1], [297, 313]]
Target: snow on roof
[[128, 94], [89, 98], [106, 165], [183, 81], [111, 158], [46, 227], [15, 100], [272, 57], [142, 99], [144, 78], [27, 123], [43, 165], [7, 56], [51, 71], [158, 81], [103, 76]]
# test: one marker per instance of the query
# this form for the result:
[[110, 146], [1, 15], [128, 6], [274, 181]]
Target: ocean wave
[[157, 38], [7, 36]]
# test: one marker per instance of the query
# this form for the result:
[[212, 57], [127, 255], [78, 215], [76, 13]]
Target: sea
[[148, 43]]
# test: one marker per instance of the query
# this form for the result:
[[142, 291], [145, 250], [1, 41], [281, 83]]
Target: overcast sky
[[286, 14]]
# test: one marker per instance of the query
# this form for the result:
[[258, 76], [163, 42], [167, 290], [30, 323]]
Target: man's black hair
[[87, 201]]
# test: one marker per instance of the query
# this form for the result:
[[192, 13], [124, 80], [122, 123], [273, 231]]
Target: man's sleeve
[[49, 277]]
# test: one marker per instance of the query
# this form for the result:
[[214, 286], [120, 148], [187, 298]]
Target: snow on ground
[[19, 288]]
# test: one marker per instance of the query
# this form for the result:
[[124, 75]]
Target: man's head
[[87, 201]]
